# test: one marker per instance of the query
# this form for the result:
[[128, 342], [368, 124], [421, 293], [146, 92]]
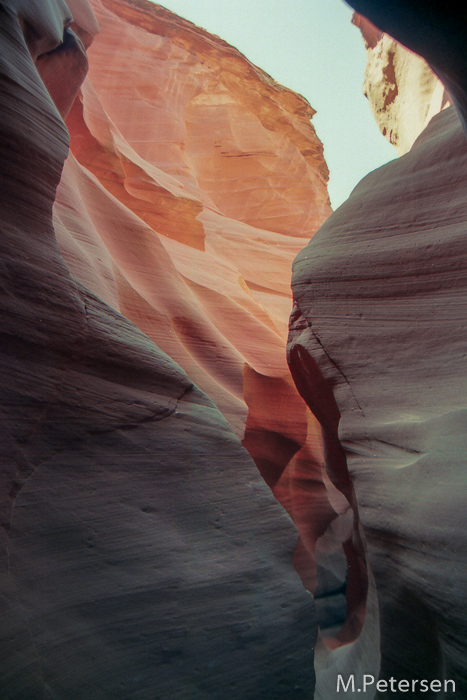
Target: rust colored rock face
[[63, 70]]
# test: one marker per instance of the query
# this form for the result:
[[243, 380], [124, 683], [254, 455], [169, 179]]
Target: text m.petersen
[[393, 685]]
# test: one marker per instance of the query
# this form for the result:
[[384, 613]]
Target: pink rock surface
[[193, 181], [198, 180]]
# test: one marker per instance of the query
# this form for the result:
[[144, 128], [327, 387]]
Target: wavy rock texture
[[194, 181], [377, 348], [403, 92], [142, 556]]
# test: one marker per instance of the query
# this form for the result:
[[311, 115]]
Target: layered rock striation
[[193, 181], [142, 555], [377, 348]]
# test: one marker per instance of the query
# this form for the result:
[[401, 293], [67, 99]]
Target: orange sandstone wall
[[193, 181]]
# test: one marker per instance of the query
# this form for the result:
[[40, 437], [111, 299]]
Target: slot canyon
[[233, 420]]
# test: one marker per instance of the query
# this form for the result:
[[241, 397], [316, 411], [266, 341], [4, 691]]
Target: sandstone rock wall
[[193, 181], [380, 298], [141, 553], [377, 348]]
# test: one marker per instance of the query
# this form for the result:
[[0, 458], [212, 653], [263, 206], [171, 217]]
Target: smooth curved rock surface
[[142, 556], [377, 347], [193, 181]]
